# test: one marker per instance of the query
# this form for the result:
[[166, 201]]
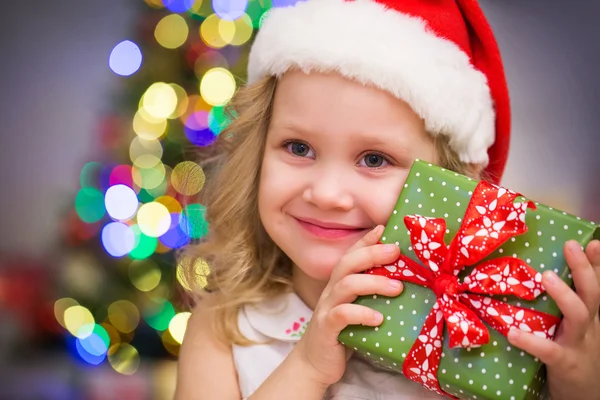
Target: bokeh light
[[125, 58], [160, 100], [145, 153], [210, 34], [144, 245], [124, 358], [149, 178], [218, 120], [154, 219], [178, 325], [179, 6], [229, 9], [96, 343], [121, 202], [188, 178], [89, 204], [217, 86], [60, 306], [145, 274], [79, 321], [171, 31], [158, 314], [86, 356], [118, 239], [90, 175], [170, 202], [148, 127], [121, 175], [193, 221], [124, 316], [198, 274], [197, 130], [182, 101]]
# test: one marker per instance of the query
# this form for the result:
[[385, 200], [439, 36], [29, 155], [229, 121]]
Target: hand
[[573, 358], [319, 347]]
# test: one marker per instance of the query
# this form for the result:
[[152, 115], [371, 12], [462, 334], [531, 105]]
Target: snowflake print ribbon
[[492, 217]]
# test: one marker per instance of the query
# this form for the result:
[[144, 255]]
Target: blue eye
[[374, 160], [299, 149]]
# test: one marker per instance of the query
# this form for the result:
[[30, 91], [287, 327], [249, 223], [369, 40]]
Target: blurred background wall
[[56, 87]]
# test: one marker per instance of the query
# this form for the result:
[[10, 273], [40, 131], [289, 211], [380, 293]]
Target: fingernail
[[513, 333], [389, 248], [377, 316], [551, 278], [394, 284], [573, 247]]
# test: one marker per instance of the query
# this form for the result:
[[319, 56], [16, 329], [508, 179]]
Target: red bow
[[492, 217]]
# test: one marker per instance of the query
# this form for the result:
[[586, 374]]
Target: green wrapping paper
[[496, 370]]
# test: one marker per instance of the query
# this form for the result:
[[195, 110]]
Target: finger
[[584, 276], [576, 317], [371, 237], [351, 286], [346, 314], [362, 259], [592, 252], [549, 352]]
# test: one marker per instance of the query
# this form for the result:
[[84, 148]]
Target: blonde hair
[[246, 266]]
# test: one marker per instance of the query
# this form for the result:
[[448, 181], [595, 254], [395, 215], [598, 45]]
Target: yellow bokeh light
[[124, 358], [171, 31], [124, 316], [170, 202], [79, 321], [60, 306], [145, 153], [154, 219], [147, 127], [178, 325], [209, 32], [217, 86], [242, 30], [113, 334], [188, 178], [149, 178], [226, 30], [182, 101], [155, 3], [160, 100], [144, 274], [201, 270]]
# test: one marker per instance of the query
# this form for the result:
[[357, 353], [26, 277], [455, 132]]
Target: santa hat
[[440, 57]]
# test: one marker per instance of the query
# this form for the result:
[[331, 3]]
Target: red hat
[[440, 57]]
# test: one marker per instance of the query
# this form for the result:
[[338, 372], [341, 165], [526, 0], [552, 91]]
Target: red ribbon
[[492, 217]]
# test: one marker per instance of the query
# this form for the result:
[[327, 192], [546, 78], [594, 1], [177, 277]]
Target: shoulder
[[205, 361]]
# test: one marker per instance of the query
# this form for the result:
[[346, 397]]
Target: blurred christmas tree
[[123, 294]]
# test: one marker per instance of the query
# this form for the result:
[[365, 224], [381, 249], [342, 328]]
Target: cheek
[[381, 208]]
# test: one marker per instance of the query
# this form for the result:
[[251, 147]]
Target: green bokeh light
[[89, 204], [144, 245], [159, 314], [193, 221]]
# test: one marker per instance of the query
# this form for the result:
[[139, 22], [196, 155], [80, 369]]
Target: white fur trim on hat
[[364, 41]]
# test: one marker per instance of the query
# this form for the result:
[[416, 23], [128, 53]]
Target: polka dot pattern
[[511, 373]]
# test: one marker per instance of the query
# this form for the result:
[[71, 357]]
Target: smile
[[326, 230]]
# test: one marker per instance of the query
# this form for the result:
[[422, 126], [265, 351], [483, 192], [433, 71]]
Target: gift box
[[471, 263]]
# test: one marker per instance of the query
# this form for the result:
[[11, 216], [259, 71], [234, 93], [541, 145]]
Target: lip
[[328, 230]]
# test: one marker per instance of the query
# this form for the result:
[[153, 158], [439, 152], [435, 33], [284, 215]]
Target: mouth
[[329, 230]]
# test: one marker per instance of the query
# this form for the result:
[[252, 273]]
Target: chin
[[318, 264]]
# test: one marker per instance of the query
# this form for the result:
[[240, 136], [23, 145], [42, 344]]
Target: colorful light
[[124, 358], [200, 271], [178, 6], [171, 31], [144, 274], [121, 202], [144, 244], [197, 131], [89, 204], [175, 236], [90, 175], [160, 100], [193, 221], [118, 239], [121, 174], [124, 316], [149, 178], [217, 86], [218, 120], [60, 306], [182, 101], [158, 314], [153, 219], [209, 32], [97, 342], [145, 153], [79, 321], [188, 178], [229, 9], [125, 58], [148, 127], [178, 325]]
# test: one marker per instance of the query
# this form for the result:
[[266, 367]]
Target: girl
[[343, 96]]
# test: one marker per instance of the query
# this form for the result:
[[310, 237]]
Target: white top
[[283, 320]]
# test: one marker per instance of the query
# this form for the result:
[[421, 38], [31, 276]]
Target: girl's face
[[337, 154]]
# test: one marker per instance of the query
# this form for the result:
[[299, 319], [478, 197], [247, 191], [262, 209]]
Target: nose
[[330, 189]]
